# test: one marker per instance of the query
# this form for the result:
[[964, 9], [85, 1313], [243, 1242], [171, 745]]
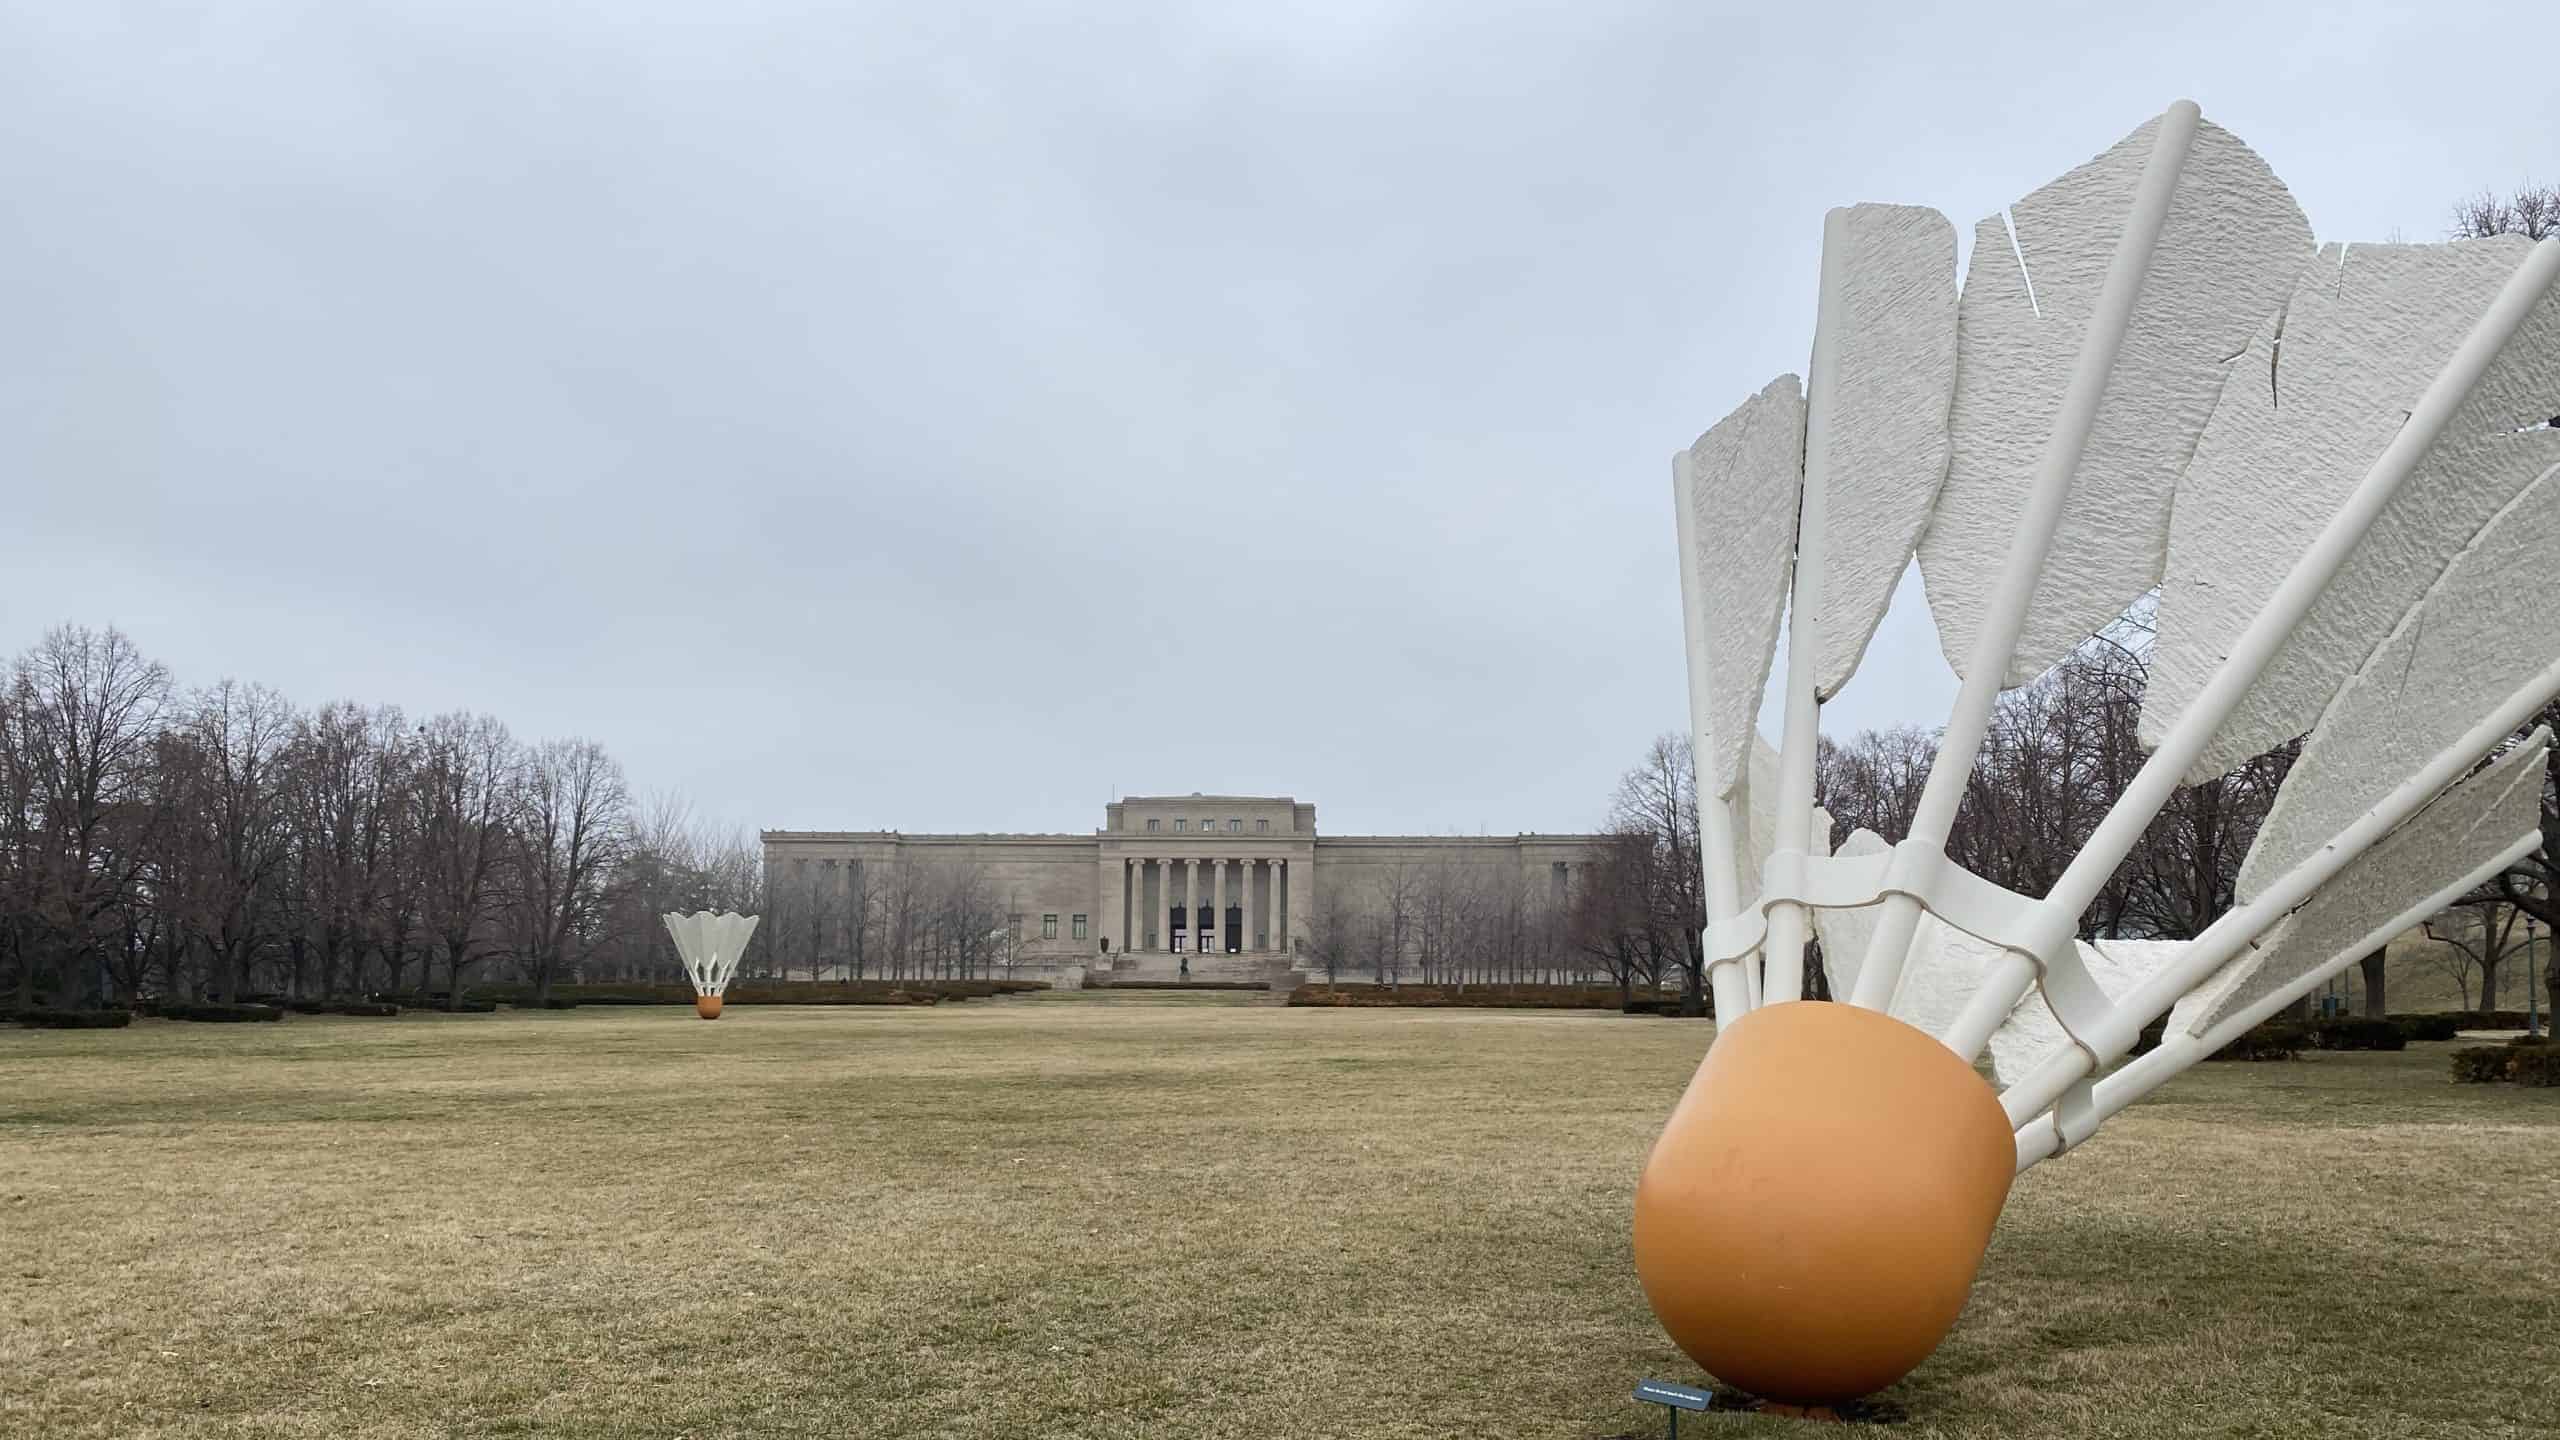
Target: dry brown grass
[[1158, 1217]]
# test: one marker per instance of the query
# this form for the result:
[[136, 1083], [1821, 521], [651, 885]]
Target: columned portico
[[1077, 904]]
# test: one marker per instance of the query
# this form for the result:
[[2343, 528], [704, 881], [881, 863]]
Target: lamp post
[[2532, 984]]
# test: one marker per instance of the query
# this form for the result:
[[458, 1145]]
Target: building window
[[1013, 926], [1262, 826], [1079, 932], [1048, 927], [1235, 827], [1153, 825], [1181, 824]]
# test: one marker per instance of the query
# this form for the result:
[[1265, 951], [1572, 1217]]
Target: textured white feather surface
[[1944, 970], [710, 944], [2464, 829], [2487, 626], [2468, 475], [1759, 833], [2233, 242], [1745, 477], [1878, 442], [2031, 1032], [2320, 392], [1845, 932], [1945, 967]]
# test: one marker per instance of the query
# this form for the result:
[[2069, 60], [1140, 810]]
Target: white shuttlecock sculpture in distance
[[710, 944]]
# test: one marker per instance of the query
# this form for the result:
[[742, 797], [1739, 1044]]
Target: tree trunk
[[2374, 1007], [2488, 977]]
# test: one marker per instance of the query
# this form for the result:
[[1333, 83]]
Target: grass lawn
[[1160, 1216]]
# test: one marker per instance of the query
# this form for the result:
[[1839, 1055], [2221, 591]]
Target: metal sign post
[[1673, 1399]]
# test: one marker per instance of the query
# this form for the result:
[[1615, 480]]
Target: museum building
[[1216, 886]]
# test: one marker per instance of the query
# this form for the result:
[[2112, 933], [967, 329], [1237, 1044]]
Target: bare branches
[[2532, 211]]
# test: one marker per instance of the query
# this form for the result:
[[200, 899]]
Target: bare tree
[[84, 711], [2475, 935], [1330, 934], [343, 798], [467, 791], [572, 828], [2532, 211], [1610, 916], [1658, 801], [238, 735]]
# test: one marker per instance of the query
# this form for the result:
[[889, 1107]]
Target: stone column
[[1191, 902], [1218, 902], [1279, 911], [1132, 909], [1244, 878], [1147, 918]]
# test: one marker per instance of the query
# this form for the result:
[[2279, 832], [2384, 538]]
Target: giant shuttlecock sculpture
[[710, 945], [2334, 466]]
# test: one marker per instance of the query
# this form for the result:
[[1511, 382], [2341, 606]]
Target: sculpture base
[[1809, 1224], [707, 1006]]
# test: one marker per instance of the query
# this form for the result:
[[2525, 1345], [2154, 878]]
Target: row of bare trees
[[913, 917], [1443, 922], [223, 842], [2059, 752]]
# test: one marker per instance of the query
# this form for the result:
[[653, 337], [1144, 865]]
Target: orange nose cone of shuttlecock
[[707, 1006], [1809, 1224]]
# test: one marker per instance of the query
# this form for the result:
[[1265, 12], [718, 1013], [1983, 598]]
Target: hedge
[[2353, 1033], [2532, 1060], [2536, 1066], [2486, 1019], [340, 1007], [2274, 1040], [1490, 997], [217, 1013], [770, 992], [468, 1004], [74, 1019], [2441, 1026]]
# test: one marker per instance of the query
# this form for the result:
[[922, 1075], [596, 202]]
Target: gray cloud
[[939, 415]]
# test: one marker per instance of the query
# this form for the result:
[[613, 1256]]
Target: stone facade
[[1227, 886]]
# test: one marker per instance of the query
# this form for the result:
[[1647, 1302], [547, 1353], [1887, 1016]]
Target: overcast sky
[[939, 416]]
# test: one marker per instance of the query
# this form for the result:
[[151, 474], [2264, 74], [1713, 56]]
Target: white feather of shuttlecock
[[2328, 465], [711, 944]]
